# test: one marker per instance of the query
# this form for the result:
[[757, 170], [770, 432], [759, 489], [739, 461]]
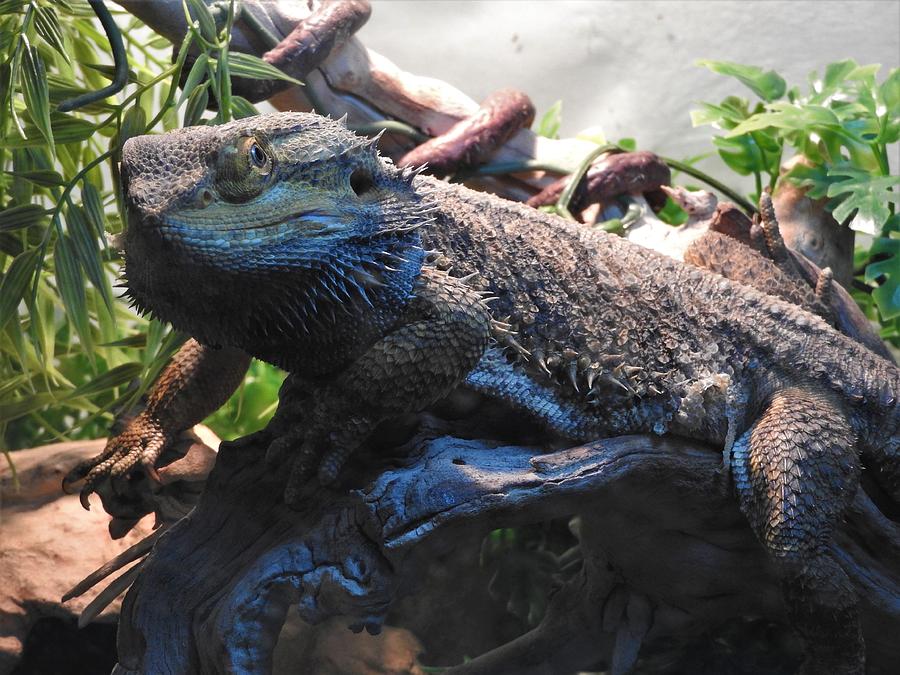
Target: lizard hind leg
[[795, 472]]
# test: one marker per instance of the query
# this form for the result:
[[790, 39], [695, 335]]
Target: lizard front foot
[[140, 444], [317, 450]]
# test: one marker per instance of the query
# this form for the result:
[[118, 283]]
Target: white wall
[[627, 66]]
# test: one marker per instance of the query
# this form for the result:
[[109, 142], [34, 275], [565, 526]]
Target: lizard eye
[[243, 169], [258, 157]]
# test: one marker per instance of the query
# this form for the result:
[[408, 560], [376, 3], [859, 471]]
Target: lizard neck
[[311, 318]]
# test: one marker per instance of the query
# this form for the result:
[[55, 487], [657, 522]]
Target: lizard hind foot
[[796, 471]]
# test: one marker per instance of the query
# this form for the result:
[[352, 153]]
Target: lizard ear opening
[[361, 182]]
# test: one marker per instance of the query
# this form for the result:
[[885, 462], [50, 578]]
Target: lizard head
[[266, 231]]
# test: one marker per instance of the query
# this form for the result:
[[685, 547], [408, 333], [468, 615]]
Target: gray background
[[628, 66]]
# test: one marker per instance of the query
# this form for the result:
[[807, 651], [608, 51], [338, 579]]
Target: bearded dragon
[[289, 238]]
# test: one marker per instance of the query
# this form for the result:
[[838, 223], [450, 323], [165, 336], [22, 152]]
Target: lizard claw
[[85, 496], [139, 445]]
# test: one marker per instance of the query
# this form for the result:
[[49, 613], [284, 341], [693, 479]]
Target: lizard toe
[[331, 464], [302, 470]]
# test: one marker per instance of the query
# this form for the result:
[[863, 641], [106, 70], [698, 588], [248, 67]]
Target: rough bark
[[666, 554]]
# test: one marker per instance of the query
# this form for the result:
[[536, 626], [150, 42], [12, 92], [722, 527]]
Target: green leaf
[[109, 72], [133, 124], [160, 42], [672, 213], [47, 26], [194, 78], [196, 105], [890, 93], [33, 78], [241, 107], [11, 6], [93, 207], [741, 154], [66, 129], [864, 195], [814, 178], [136, 341], [117, 377], [790, 116], [200, 12], [548, 127], [70, 285], [84, 238], [18, 217], [887, 271], [836, 73], [10, 410], [253, 67], [40, 177], [728, 114], [768, 85], [15, 282]]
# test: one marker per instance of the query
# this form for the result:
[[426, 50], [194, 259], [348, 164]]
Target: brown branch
[[625, 173], [473, 140]]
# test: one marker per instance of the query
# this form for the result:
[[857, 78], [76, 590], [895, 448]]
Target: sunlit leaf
[[548, 125], [768, 85], [865, 197], [33, 78], [117, 377], [886, 273], [253, 67], [47, 26]]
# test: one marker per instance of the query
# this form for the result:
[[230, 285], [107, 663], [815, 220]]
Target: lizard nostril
[[361, 182], [206, 197]]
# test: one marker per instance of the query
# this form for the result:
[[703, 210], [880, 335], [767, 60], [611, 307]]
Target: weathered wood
[[666, 552]]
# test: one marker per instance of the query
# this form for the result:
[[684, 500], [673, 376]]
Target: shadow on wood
[[666, 553]]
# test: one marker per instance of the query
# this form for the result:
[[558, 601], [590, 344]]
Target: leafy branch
[[70, 354], [843, 127]]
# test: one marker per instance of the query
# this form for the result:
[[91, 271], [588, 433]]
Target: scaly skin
[[196, 382], [287, 237]]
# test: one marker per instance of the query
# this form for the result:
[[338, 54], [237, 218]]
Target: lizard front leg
[[795, 471], [438, 340], [196, 382]]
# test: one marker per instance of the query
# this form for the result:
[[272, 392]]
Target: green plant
[[71, 355], [844, 125]]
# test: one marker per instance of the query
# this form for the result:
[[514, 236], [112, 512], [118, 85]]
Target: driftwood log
[[665, 553]]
